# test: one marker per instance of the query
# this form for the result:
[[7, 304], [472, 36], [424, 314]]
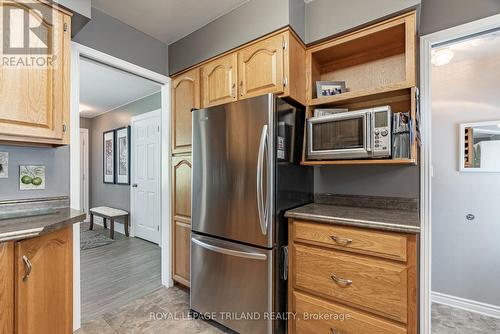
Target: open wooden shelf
[[374, 60], [360, 162], [364, 95], [378, 65], [403, 100]]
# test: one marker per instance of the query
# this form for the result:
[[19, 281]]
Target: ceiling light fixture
[[442, 57], [84, 107]]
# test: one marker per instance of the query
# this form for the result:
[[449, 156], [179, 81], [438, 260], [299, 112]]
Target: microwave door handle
[[368, 132]]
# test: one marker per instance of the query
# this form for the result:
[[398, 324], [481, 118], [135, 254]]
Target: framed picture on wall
[[123, 155], [31, 177], [108, 158]]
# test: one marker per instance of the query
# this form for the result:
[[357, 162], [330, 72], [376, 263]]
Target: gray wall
[[326, 17], [112, 195], [56, 162], [111, 36], [82, 7], [465, 255], [396, 181], [297, 17], [247, 22], [443, 14], [82, 12]]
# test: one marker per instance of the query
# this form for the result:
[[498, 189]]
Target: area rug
[[93, 239]]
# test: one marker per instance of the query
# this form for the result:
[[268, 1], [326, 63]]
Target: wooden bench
[[112, 214]]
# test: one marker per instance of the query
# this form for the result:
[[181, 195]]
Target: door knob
[[134, 185]]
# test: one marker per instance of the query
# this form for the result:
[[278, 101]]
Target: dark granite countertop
[[33, 226], [375, 218]]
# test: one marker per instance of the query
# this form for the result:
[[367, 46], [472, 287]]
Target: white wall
[[465, 255]]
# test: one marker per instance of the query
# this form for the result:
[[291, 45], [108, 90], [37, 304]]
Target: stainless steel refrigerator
[[246, 174]]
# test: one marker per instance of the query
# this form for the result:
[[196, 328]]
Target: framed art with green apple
[[31, 177]]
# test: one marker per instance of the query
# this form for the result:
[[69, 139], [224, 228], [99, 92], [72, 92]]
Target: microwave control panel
[[382, 134]]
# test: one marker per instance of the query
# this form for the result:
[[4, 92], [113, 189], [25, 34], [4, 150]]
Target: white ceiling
[[104, 88], [167, 20], [481, 46]]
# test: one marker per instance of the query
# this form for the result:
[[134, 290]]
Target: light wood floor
[[116, 274]]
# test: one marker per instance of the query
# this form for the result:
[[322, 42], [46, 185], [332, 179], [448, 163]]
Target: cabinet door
[[44, 293], [181, 207], [218, 81], [34, 86], [7, 287], [182, 252], [260, 68], [185, 96]]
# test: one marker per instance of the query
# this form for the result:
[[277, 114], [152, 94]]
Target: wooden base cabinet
[[36, 278], [34, 98], [351, 280], [7, 287], [181, 218]]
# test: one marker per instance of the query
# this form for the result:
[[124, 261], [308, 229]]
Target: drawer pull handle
[[342, 241], [341, 281], [333, 331]]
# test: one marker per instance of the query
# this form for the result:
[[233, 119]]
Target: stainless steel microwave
[[362, 134]]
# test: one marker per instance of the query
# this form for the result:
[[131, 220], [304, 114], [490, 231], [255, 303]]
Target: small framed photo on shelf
[[123, 155], [329, 88], [108, 158]]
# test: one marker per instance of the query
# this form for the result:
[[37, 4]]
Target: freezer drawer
[[233, 283]]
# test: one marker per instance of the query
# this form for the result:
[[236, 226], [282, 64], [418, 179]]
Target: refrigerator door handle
[[231, 252], [262, 210]]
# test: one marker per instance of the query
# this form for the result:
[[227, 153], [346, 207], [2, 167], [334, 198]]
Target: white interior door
[[146, 179], [84, 171]]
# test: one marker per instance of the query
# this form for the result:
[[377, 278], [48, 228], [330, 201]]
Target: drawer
[[318, 316], [382, 244], [379, 286]]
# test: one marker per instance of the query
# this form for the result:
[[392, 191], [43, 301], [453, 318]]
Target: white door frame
[[150, 114], [78, 50], [426, 44], [86, 183]]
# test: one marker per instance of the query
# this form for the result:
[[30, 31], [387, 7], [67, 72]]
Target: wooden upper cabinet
[[34, 86], [261, 67], [44, 293], [218, 81], [185, 96]]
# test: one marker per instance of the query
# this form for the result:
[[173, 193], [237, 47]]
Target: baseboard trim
[[119, 227], [466, 304]]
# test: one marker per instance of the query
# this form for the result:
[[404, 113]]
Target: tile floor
[[448, 320], [137, 317], [169, 307]]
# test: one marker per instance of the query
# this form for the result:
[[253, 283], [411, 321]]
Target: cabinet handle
[[233, 87], [341, 281], [241, 88], [342, 241], [27, 268], [333, 331]]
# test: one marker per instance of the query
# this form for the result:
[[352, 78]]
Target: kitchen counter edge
[[31, 227], [309, 212]]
